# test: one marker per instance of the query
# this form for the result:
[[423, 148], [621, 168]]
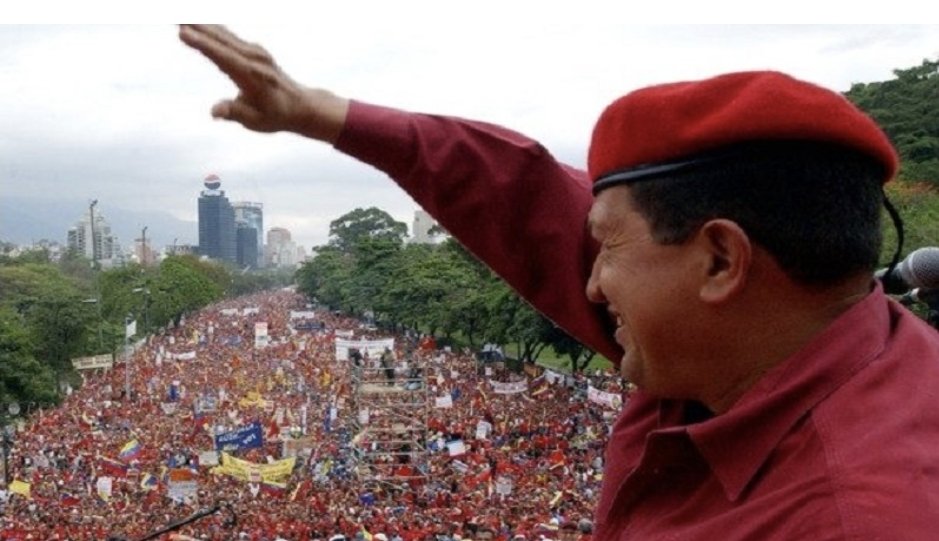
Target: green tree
[[907, 108], [22, 378], [350, 229], [180, 288], [327, 277]]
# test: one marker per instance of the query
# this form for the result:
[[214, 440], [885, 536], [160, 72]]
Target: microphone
[[920, 269], [929, 297]]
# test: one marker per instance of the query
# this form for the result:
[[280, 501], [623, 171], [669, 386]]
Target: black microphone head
[[893, 283], [920, 269]]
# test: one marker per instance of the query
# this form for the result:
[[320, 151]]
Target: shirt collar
[[736, 443]]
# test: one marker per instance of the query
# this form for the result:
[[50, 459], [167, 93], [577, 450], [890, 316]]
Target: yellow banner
[[253, 398], [20, 487], [273, 473]]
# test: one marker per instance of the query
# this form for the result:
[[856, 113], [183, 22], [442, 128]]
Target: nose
[[594, 293]]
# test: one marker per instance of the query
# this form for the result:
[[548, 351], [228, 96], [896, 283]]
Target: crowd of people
[[106, 464]]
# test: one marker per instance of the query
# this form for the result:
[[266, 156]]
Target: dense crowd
[[494, 464]]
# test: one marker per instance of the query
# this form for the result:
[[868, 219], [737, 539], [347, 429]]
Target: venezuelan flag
[[149, 482], [130, 450], [112, 467]]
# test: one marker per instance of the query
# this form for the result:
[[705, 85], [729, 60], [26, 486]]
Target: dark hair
[[814, 206]]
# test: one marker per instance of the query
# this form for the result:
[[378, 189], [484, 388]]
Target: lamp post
[[143, 247], [12, 410], [146, 306], [97, 303], [94, 246], [128, 332]]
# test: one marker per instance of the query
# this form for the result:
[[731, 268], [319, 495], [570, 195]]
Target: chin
[[631, 370]]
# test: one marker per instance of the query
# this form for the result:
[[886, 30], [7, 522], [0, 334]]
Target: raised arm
[[268, 99], [498, 192]]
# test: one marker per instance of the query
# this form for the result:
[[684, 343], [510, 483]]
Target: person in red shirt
[[732, 230]]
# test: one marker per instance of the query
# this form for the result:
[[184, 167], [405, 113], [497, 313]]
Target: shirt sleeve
[[503, 196]]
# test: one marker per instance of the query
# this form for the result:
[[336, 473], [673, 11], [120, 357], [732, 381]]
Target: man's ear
[[729, 254]]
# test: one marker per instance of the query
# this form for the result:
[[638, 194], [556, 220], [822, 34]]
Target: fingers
[[237, 59], [243, 113], [229, 39]]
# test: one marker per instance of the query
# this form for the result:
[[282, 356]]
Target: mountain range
[[25, 220]]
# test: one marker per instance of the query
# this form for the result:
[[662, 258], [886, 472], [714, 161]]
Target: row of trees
[[906, 108], [366, 269], [52, 312]]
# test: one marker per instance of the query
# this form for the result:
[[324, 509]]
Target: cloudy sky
[[120, 113]]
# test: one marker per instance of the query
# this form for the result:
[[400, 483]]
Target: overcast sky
[[121, 113]]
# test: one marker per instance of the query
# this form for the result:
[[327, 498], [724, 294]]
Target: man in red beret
[[733, 225]]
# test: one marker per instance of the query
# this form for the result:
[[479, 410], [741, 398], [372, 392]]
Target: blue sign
[[245, 437]]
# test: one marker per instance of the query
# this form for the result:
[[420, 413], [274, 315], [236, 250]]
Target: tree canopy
[[907, 108]]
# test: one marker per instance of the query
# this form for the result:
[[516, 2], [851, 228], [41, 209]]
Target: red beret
[[664, 128]]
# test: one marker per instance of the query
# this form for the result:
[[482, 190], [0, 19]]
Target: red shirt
[[837, 442], [841, 441]]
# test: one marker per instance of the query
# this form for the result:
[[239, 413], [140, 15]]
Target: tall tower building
[[420, 231], [246, 245], [280, 251], [216, 222], [251, 213], [93, 241]]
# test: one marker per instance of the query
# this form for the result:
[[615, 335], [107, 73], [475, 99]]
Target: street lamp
[[146, 306], [128, 332], [97, 304], [12, 409], [94, 247]]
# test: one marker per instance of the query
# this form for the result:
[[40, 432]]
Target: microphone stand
[[202, 513]]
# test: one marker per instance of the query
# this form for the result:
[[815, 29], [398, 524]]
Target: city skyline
[[121, 113]]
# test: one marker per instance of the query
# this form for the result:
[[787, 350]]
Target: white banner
[[504, 485], [374, 348], [179, 490], [103, 486], [169, 408], [261, 338], [208, 458], [610, 400], [96, 361], [456, 447], [553, 377], [445, 401], [251, 310], [302, 314], [229, 311], [513, 387], [130, 329], [482, 429], [184, 356], [345, 334]]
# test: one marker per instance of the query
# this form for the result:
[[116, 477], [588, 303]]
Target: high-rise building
[[252, 214], [280, 250], [216, 223], [246, 245], [94, 241], [143, 252], [421, 230]]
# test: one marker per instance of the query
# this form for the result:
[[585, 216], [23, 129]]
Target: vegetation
[[366, 269], [906, 108], [52, 312]]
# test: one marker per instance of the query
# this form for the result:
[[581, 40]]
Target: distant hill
[[24, 220]]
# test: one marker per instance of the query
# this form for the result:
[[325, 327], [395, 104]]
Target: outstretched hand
[[268, 99]]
